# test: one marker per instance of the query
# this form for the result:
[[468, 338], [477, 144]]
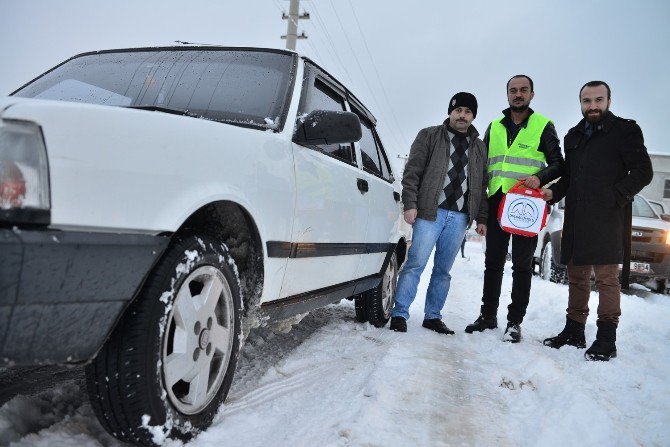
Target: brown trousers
[[609, 291]]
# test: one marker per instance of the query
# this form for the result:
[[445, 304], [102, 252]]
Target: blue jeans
[[445, 234]]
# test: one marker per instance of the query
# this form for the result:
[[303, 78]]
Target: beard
[[596, 117], [521, 108]]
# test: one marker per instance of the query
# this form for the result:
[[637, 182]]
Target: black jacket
[[603, 173], [550, 145]]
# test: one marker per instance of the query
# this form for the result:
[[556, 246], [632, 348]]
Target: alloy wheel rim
[[198, 340], [546, 262], [389, 286]]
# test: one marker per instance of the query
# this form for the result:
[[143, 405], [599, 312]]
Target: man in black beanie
[[444, 190]]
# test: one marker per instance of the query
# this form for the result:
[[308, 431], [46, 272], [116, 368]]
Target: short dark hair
[[521, 76], [596, 84]]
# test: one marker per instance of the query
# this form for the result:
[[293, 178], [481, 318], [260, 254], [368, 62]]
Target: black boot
[[398, 324], [437, 325], [572, 335], [604, 348], [482, 323]]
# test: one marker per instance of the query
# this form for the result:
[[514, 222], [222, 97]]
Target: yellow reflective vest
[[522, 159]]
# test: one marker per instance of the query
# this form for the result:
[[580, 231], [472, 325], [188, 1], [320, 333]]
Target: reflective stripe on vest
[[522, 159]]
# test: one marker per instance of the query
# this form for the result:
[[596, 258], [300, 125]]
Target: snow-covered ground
[[334, 382]]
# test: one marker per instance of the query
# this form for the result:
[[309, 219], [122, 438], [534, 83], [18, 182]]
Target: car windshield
[[244, 87], [642, 209]]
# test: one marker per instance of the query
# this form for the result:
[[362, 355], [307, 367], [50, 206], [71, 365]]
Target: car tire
[[378, 302], [169, 363], [549, 270], [660, 286], [360, 306]]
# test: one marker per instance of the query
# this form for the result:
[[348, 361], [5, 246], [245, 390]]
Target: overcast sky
[[404, 60]]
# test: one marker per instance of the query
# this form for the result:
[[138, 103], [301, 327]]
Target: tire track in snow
[[310, 396]]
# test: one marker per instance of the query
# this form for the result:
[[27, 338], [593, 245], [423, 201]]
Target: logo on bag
[[523, 213]]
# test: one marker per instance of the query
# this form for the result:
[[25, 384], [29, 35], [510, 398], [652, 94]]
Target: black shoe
[[512, 333], [604, 348], [437, 325], [482, 323], [398, 324], [571, 335]]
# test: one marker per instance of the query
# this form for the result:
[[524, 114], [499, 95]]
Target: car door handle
[[362, 185], [396, 196]]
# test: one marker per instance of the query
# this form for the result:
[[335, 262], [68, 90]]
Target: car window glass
[[239, 87], [641, 208], [324, 98], [386, 167], [369, 153]]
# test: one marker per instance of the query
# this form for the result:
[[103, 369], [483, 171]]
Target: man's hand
[[547, 194], [481, 229], [410, 216], [530, 182]]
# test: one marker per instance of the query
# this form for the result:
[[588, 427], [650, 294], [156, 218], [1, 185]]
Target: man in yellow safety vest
[[522, 146]]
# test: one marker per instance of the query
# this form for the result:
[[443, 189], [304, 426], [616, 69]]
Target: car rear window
[[235, 86]]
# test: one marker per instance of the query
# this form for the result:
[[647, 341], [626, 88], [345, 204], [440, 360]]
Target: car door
[[329, 226], [382, 201]]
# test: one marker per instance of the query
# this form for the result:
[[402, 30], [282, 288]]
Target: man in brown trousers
[[606, 165]]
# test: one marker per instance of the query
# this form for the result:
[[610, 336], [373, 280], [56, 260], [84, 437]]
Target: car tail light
[[12, 185], [24, 173]]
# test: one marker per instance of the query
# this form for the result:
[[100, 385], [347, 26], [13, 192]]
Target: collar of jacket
[[472, 132], [605, 124], [507, 119]]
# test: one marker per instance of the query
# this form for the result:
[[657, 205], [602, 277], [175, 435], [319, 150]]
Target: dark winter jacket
[[549, 145], [603, 173], [426, 171]]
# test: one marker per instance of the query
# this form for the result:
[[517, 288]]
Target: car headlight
[[667, 237], [24, 173]]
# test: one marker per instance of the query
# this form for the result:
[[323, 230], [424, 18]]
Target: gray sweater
[[426, 170]]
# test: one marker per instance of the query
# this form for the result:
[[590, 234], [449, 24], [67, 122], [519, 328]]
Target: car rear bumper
[[61, 293]]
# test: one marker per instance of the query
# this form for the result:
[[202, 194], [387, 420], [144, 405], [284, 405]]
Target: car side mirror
[[665, 217], [328, 127]]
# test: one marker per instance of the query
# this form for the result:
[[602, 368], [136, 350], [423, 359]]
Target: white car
[[650, 247], [156, 203]]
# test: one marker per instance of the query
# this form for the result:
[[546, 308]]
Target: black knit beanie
[[463, 99]]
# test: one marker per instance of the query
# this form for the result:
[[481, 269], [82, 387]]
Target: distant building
[[659, 188]]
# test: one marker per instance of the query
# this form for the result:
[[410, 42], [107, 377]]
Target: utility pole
[[292, 31]]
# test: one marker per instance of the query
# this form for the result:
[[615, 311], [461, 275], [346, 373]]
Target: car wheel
[[378, 302], [545, 261], [660, 286], [360, 308], [170, 361], [549, 270]]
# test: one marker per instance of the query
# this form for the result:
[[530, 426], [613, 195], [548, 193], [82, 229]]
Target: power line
[[278, 6], [365, 79], [330, 41], [395, 120]]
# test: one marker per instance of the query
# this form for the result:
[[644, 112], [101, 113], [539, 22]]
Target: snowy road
[[334, 382]]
